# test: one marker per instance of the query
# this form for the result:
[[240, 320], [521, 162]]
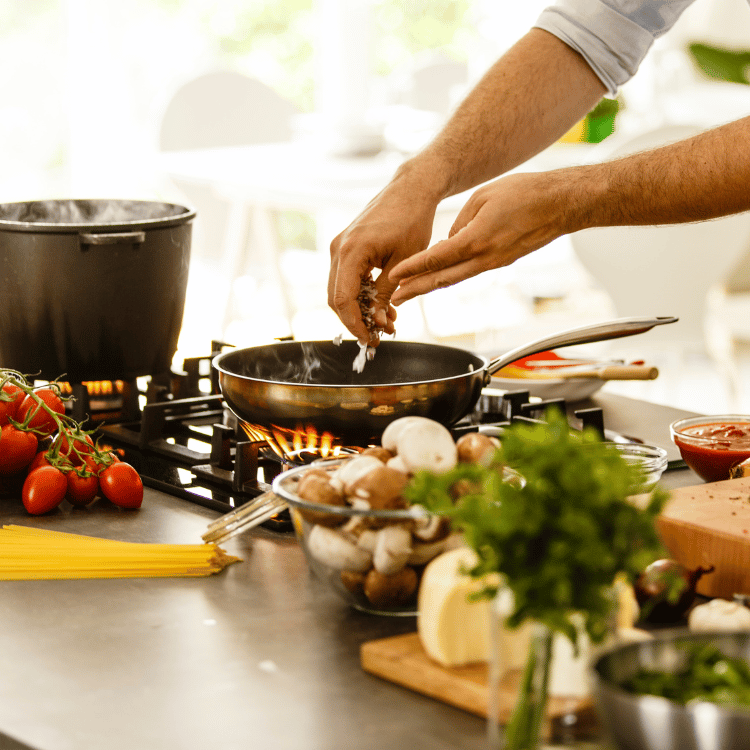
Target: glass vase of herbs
[[557, 539]]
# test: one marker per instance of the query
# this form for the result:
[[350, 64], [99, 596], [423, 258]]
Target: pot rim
[[180, 215]]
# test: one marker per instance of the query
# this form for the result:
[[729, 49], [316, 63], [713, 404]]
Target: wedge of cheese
[[453, 630]]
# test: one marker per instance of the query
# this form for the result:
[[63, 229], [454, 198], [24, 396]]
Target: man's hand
[[697, 179], [501, 222], [396, 224], [537, 91]]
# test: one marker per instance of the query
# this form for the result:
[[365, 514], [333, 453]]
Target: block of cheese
[[453, 630], [709, 525]]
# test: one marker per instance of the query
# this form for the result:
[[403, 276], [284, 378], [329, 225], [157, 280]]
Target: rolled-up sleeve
[[613, 36]]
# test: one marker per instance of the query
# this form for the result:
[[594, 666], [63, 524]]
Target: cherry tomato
[[17, 449], [76, 446], [99, 462], [39, 460], [43, 490], [41, 419], [121, 484], [10, 408], [81, 489], [92, 465]]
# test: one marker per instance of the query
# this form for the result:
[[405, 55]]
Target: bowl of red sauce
[[712, 446]]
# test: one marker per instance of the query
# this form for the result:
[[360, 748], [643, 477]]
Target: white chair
[[668, 269], [228, 108]]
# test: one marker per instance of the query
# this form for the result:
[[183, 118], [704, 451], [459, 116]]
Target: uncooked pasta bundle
[[27, 553]]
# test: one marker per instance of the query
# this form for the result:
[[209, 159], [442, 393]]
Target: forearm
[[693, 180], [536, 92]]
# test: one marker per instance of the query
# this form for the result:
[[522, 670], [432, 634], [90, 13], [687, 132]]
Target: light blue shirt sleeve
[[613, 36]]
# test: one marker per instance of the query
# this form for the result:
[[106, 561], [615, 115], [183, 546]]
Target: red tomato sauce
[[729, 446]]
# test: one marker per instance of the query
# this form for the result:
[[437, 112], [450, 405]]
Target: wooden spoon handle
[[613, 372]]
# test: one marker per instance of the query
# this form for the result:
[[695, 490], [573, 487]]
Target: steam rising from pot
[[88, 212]]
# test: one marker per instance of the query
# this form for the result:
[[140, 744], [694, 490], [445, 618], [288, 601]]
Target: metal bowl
[[647, 722]]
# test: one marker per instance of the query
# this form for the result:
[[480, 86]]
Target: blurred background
[[92, 108]]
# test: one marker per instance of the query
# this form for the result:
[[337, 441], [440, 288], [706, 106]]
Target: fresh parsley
[[559, 538]]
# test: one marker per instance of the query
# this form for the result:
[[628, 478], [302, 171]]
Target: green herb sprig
[[558, 539]]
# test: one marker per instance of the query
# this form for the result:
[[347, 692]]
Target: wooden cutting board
[[401, 659], [704, 525], [709, 524]]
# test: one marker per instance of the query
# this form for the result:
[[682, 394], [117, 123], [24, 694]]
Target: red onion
[[653, 585]]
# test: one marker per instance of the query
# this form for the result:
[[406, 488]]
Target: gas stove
[[183, 440]]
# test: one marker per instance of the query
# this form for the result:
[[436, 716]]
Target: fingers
[[333, 271], [390, 228], [385, 313], [468, 211], [433, 260], [443, 254], [445, 266], [344, 281]]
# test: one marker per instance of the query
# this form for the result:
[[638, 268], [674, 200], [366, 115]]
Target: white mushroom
[[477, 448], [427, 445], [389, 438], [336, 551], [423, 552], [429, 528], [367, 540], [397, 463], [392, 549], [350, 471], [379, 452], [353, 527], [719, 615]]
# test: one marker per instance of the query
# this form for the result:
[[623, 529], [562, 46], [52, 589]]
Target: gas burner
[[183, 439], [496, 410], [97, 401]]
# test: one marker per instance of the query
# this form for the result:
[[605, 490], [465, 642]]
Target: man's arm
[[697, 179], [527, 100], [531, 97], [704, 177]]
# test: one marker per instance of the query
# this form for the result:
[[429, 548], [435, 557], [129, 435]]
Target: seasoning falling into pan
[[295, 383]]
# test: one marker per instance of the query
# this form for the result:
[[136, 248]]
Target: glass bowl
[[319, 526], [650, 459], [712, 445]]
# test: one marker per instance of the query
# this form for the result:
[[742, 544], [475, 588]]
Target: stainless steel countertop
[[260, 656]]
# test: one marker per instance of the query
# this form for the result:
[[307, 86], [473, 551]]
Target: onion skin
[[651, 591]]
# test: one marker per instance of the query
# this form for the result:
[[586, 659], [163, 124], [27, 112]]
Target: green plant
[[557, 540]]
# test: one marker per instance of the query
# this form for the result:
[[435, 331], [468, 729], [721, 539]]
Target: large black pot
[[92, 289]]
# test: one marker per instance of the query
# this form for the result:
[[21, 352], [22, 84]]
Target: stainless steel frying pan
[[300, 383]]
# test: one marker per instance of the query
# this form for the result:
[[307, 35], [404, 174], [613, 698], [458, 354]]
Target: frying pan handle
[[113, 238], [613, 329]]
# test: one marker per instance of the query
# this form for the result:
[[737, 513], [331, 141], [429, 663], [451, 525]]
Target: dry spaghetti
[[27, 553]]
